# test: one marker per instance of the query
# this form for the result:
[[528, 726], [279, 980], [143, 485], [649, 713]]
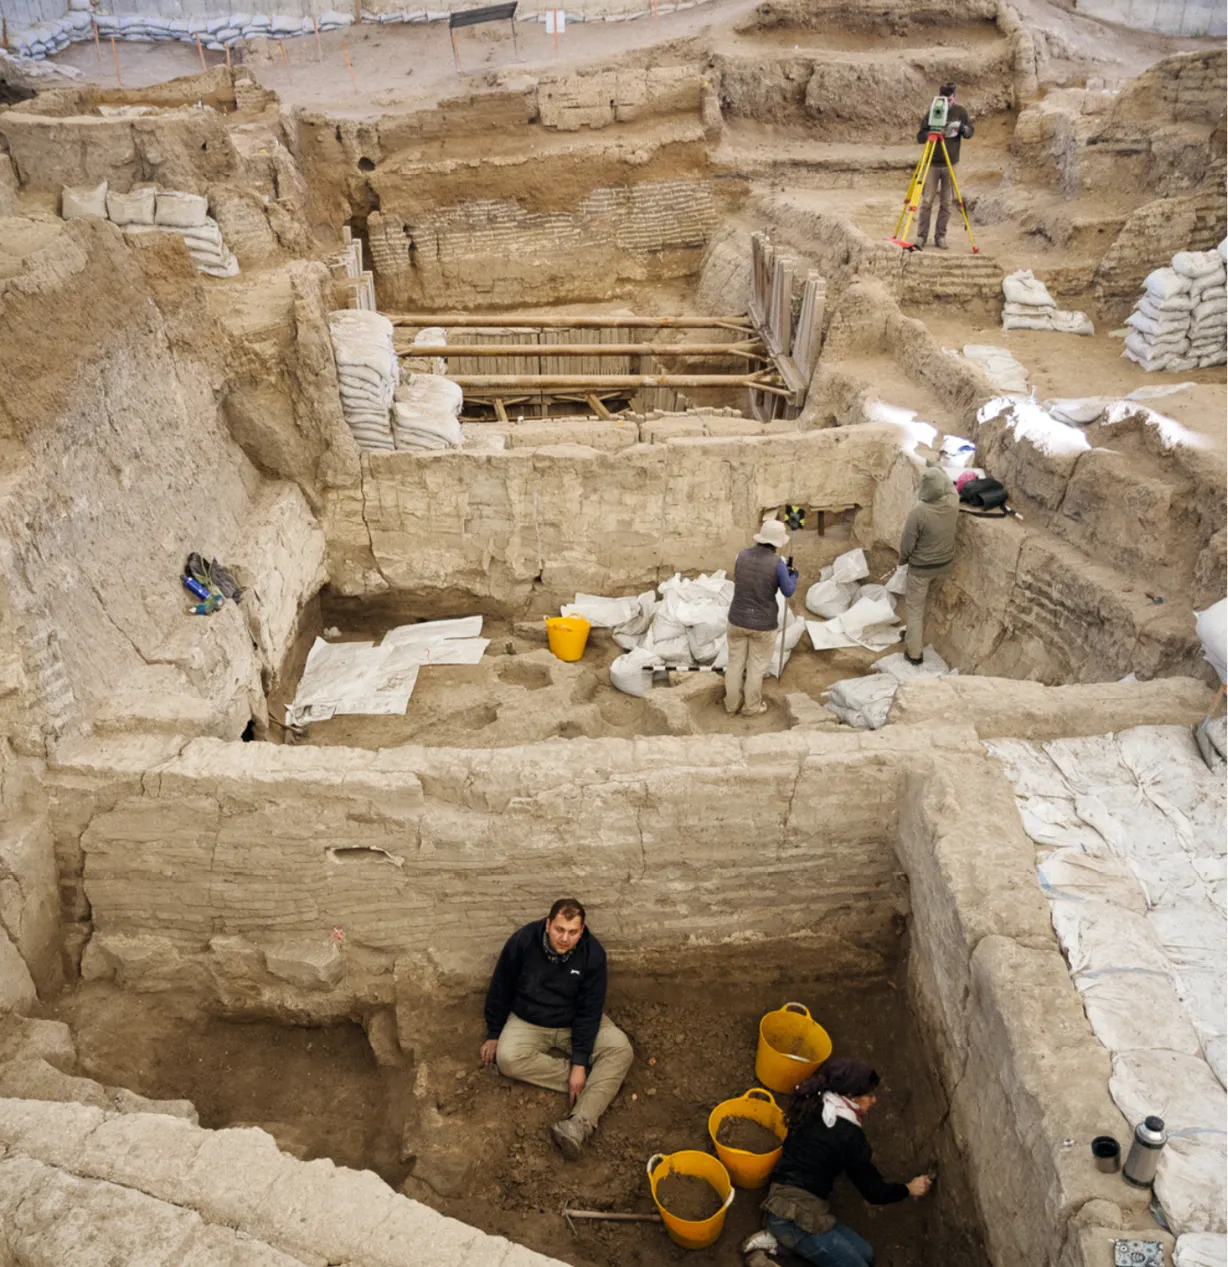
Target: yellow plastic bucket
[[691, 1233], [791, 1047], [749, 1170], [568, 636]]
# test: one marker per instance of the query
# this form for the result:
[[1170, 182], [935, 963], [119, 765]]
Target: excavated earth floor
[[694, 1026]]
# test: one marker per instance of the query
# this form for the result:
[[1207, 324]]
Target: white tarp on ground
[[1130, 830], [348, 678]]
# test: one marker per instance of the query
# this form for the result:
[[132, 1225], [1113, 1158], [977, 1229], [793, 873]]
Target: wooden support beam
[[553, 321], [510, 382], [597, 407], [500, 412], [478, 350]]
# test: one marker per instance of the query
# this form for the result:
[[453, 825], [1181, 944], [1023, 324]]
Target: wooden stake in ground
[[201, 51], [349, 66], [455, 50], [227, 56], [656, 16], [281, 44], [115, 55], [315, 26], [97, 43]]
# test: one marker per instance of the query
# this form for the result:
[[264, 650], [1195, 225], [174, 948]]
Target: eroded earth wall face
[[319, 883], [509, 528]]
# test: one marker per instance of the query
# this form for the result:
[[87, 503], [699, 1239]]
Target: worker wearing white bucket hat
[[757, 576]]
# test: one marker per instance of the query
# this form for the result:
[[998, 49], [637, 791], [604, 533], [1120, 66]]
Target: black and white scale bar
[[682, 668]]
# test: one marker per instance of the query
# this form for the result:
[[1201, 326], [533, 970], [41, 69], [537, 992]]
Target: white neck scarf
[[835, 1106]]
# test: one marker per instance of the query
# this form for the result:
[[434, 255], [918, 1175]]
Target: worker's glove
[[793, 573]]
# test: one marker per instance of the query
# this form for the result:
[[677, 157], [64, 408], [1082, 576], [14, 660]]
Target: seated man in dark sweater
[[544, 1021], [825, 1140]]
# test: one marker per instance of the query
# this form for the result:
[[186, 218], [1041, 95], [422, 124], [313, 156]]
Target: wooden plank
[[597, 407], [500, 412], [512, 381], [470, 350], [553, 321]]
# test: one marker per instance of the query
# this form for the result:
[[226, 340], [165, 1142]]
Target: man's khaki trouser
[[750, 653], [937, 178], [920, 585], [525, 1053]]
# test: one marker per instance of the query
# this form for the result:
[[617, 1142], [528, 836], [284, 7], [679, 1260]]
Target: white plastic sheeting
[[1131, 833], [1201, 1249], [999, 366], [347, 678]]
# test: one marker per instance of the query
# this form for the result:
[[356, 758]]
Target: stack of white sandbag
[[425, 414], [686, 626], [1209, 314], [147, 209], [853, 614], [1180, 323], [864, 702], [368, 374], [1029, 306]]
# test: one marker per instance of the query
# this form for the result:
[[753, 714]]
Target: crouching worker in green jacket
[[545, 1021], [927, 547]]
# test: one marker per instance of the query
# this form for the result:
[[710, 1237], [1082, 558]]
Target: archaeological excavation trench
[[358, 330]]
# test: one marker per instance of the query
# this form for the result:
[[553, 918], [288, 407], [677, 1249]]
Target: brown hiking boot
[[570, 1135]]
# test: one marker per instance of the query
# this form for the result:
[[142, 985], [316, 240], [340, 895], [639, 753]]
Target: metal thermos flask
[[1149, 1137]]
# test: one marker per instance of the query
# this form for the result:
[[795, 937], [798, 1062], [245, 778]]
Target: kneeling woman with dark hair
[[825, 1139]]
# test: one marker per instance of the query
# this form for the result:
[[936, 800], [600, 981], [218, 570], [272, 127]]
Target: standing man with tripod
[[939, 178]]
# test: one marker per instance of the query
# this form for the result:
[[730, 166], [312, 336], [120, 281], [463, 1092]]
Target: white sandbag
[[1201, 1249], [631, 632], [1166, 283], [898, 665], [600, 612], [1029, 310], [77, 201], [863, 702], [1212, 629], [1079, 411], [1217, 358], [1072, 322], [849, 567], [1208, 308], [1157, 329], [897, 583], [829, 598], [135, 207], [1023, 288], [1200, 286], [180, 210], [867, 613], [1164, 309], [1222, 250], [1196, 263], [795, 626], [1027, 323], [229, 269], [873, 591]]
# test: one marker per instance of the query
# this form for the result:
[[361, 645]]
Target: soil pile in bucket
[[688, 1197], [747, 1134]]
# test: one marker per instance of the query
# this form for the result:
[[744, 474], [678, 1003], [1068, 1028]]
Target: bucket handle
[[653, 1162], [729, 1198], [758, 1093], [797, 1007]]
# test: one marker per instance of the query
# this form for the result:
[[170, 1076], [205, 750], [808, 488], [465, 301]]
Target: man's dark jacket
[[560, 994], [957, 122]]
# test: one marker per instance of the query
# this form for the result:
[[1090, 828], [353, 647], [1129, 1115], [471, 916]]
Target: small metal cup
[[1106, 1153]]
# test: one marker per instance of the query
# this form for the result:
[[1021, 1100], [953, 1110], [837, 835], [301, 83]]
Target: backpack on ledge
[[985, 498]]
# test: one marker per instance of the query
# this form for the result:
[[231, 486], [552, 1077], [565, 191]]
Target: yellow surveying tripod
[[937, 122]]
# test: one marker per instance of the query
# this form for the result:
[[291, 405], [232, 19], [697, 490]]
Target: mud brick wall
[[540, 524], [496, 251], [224, 874]]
